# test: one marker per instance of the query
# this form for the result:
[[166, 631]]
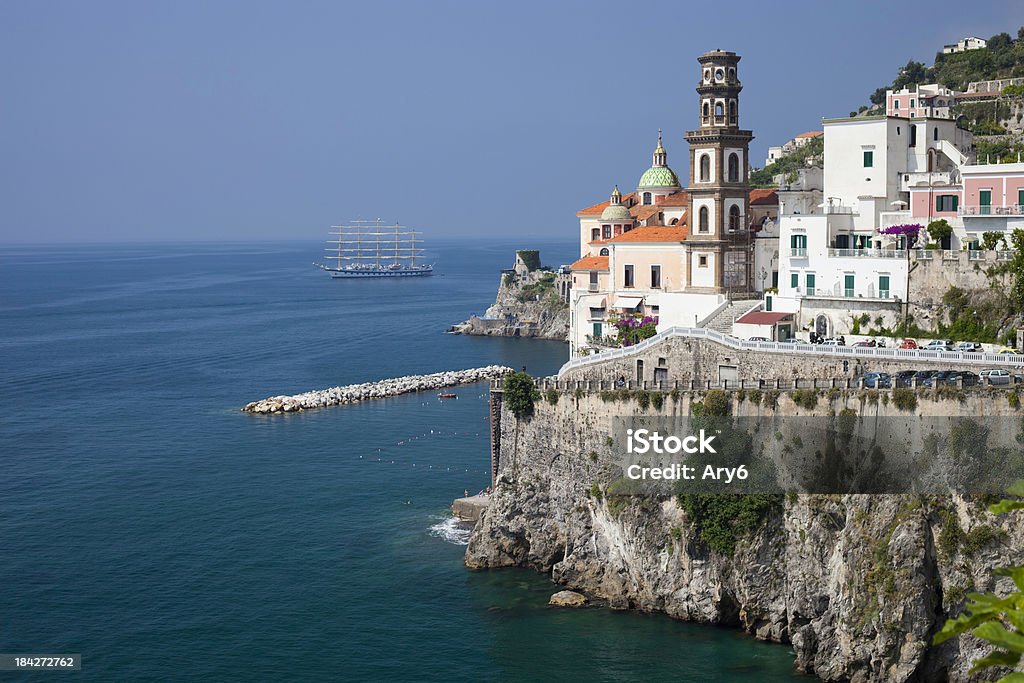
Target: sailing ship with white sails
[[370, 249]]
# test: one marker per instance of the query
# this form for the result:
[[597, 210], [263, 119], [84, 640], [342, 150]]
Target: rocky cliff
[[529, 303], [857, 584]]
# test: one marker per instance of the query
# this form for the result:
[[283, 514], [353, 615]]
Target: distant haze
[[254, 120]]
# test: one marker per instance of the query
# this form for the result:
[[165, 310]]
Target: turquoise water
[[149, 525]]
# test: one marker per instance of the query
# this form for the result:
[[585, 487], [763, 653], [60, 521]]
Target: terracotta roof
[[653, 233], [811, 134], [642, 212], [676, 199], [598, 209], [764, 196], [763, 317], [591, 263]]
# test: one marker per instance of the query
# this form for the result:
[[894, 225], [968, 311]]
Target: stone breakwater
[[385, 388]]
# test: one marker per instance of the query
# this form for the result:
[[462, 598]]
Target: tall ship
[[370, 249]]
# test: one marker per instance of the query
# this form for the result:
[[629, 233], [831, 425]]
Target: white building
[[965, 44], [834, 264], [790, 146]]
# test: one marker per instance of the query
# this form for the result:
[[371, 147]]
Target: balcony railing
[[1015, 210], [883, 294], [848, 293], [592, 287], [838, 209], [798, 252], [974, 255], [867, 253]]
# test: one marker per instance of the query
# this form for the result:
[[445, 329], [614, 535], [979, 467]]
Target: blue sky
[[254, 120]]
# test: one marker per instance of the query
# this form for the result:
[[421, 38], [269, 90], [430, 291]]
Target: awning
[[628, 302], [764, 318], [594, 301]]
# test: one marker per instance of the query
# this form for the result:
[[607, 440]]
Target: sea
[[151, 527]]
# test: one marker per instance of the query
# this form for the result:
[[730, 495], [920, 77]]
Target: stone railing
[[811, 350]]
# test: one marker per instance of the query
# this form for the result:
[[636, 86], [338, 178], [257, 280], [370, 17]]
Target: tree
[[990, 239], [940, 230], [1000, 621], [1016, 267], [913, 73], [520, 393]]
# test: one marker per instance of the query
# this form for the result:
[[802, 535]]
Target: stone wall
[[857, 584]]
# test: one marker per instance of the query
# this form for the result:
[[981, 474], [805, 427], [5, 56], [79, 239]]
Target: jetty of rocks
[[385, 388]]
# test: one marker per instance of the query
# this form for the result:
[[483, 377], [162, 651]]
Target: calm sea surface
[[149, 525]]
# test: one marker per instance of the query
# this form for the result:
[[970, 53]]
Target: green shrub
[[904, 399], [643, 399], [721, 520], [595, 492], [657, 400], [551, 395], [805, 398], [578, 394], [520, 394], [755, 396], [1013, 398]]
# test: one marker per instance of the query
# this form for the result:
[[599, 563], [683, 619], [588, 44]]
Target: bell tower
[[719, 258]]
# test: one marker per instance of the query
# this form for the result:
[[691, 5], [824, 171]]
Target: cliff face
[[858, 584], [528, 304]]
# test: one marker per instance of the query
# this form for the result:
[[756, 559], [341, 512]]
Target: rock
[[568, 599]]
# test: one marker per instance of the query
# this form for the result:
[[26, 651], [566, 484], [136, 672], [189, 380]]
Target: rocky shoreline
[[367, 391]]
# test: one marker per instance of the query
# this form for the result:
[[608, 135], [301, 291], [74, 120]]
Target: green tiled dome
[[659, 176]]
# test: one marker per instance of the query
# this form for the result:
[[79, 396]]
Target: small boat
[[447, 395]]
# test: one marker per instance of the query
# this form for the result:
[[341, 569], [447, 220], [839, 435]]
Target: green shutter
[[869, 159], [597, 329], [1020, 197], [883, 286], [794, 280], [956, 202]]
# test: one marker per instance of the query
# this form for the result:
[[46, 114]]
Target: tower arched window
[[719, 110], [734, 218], [647, 197], [703, 219], [734, 168], [732, 111], [705, 167]]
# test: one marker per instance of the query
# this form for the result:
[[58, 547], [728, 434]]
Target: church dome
[[658, 176], [616, 212]]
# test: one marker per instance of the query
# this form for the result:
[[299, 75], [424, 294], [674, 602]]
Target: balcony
[[838, 209], [798, 252], [867, 253], [1015, 210], [910, 180], [592, 287]]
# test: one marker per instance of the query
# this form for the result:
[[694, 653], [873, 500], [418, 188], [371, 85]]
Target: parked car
[[921, 375], [939, 345], [877, 380], [997, 376], [936, 379], [969, 378], [1007, 349], [908, 344], [794, 340], [758, 339], [870, 343], [969, 347], [903, 378]]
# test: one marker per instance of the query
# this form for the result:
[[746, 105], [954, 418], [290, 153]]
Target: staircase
[[724, 320]]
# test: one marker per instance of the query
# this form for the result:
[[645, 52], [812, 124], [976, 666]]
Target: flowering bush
[[909, 230], [634, 330]]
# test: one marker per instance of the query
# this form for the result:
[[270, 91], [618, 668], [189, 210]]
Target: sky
[[224, 121]]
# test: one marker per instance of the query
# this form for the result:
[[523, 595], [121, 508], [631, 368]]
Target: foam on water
[[451, 529]]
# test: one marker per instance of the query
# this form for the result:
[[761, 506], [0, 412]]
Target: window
[[799, 241], [869, 158], [674, 221], [627, 276], [702, 261], [593, 280], [911, 114], [913, 137], [935, 133], [702, 225], [794, 280], [595, 234], [604, 252], [647, 197], [947, 202], [734, 168], [719, 109], [883, 286], [655, 277], [606, 230], [705, 167], [810, 284], [734, 218], [912, 104], [896, 105], [732, 111], [707, 110], [985, 202], [848, 285], [897, 131], [1020, 197], [597, 330]]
